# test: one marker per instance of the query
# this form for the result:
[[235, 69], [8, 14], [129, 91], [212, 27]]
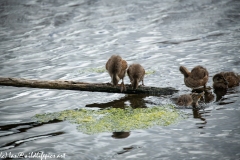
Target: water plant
[[149, 72], [93, 70], [116, 119]]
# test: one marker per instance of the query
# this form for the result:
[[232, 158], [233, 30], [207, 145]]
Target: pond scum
[[116, 119]]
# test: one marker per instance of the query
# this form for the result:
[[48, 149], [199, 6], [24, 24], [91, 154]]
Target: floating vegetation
[[148, 72], [94, 70], [116, 119]]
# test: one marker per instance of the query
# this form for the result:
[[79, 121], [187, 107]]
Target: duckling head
[[219, 81]]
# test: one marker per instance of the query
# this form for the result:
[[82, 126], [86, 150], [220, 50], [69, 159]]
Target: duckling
[[225, 80], [116, 68], [136, 74], [219, 82], [189, 99], [196, 78], [208, 95]]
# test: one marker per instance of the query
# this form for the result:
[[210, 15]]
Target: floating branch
[[82, 86]]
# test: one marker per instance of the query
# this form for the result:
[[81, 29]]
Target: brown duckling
[[116, 68], [225, 80], [189, 99], [136, 74], [208, 95], [196, 78]]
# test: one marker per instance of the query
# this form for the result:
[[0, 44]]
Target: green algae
[[116, 119], [103, 69], [149, 72], [94, 70]]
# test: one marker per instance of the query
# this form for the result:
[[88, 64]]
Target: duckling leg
[[142, 83], [122, 86]]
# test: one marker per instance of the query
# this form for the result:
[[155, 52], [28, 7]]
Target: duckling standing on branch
[[196, 78], [116, 68], [136, 74]]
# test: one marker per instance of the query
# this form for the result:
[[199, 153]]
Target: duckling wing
[[232, 79], [114, 64], [199, 72], [124, 65], [129, 73]]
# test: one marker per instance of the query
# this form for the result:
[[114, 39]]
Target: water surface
[[64, 39]]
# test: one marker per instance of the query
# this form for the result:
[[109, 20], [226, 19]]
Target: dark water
[[64, 39]]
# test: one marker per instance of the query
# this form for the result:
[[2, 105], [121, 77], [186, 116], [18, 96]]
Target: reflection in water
[[136, 101], [16, 143], [126, 149], [198, 115], [220, 93], [119, 135], [24, 127], [228, 96]]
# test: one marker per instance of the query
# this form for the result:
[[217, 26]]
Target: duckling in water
[[136, 74], [116, 68], [225, 80], [189, 99], [196, 78]]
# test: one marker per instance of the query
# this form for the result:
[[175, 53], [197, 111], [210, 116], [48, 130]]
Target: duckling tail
[[115, 79], [184, 71], [135, 84], [115, 65]]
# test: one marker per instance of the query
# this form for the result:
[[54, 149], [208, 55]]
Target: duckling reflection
[[198, 115], [198, 77], [116, 68], [224, 80], [119, 135], [220, 93]]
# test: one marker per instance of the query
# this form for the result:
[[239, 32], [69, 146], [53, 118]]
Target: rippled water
[[64, 39]]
